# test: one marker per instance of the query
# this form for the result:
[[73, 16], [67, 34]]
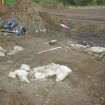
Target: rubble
[[21, 73], [15, 50], [2, 52], [12, 75], [78, 46], [2, 49], [25, 67], [26, 74], [94, 49], [97, 50], [43, 72]]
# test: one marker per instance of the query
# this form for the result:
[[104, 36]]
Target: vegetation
[[9, 2], [1, 14], [72, 2]]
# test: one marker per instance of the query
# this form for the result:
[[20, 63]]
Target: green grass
[[10, 2], [1, 14], [47, 2]]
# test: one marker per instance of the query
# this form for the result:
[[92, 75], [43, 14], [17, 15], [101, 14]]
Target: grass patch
[[10, 2], [1, 14]]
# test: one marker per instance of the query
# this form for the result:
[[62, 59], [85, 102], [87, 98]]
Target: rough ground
[[86, 84]]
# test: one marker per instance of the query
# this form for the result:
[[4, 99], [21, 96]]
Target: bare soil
[[86, 84]]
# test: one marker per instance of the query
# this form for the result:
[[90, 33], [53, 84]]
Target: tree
[[72, 2], [68, 2], [100, 2], [77, 2]]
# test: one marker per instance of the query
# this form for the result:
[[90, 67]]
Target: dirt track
[[86, 84], [95, 14]]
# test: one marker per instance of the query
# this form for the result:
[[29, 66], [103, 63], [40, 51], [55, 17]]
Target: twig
[[56, 48]]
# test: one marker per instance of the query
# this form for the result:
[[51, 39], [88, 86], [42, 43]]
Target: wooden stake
[[56, 48]]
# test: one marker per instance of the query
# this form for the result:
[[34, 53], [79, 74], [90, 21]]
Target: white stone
[[78, 46], [64, 26], [12, 75], [22, 75], [18, 48], [1, 49], [60, 71], [97, 49], [41, 72], [25, 67], [12, 52], [2, 54], [15, 50]]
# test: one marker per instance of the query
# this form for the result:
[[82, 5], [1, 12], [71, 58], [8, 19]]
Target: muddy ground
[[84, 86]]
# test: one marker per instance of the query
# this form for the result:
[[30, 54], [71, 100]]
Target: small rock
[[18, 48], [1, 49], [97, 49], [22, 75], [25, 67], [2, 54], [53, 42], [15, 50], [12, 75]]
